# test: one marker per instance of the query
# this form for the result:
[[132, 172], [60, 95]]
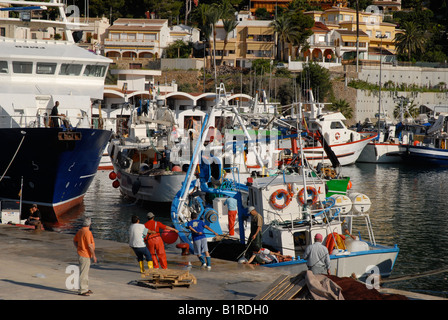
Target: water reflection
[[408, 209]]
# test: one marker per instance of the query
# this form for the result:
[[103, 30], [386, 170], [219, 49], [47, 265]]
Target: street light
[[381, 37]]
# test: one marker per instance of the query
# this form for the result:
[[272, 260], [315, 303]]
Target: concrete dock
[[35, 265]]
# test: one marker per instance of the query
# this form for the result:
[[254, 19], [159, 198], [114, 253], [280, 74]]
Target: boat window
[[3, 67], [94, 71], [22, 67], [336, 125], [69, 69], [45, 68]]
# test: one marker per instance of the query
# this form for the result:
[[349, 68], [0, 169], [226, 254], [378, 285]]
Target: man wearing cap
[[154, 241], [256, 223], [316, 254], [85, 246]]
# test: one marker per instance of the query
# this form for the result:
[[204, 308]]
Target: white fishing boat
[[176, 120], [328, 129], [294, 207]]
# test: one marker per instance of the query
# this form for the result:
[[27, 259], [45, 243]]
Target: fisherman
[[256, 224], [264, 256], [85, 247], [232, 212], [317, 256], [154, 241], [197, 226], [137, 232]]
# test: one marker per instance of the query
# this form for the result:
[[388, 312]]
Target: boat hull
[[381, 153], [379, 260], [347, 153], [151, 188], [57, 167], [425, 155]]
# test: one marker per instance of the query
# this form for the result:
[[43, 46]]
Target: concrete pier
[[34, 265]]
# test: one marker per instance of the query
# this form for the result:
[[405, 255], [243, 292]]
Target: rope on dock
[[415, 276]]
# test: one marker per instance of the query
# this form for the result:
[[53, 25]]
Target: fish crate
[[167, 278]]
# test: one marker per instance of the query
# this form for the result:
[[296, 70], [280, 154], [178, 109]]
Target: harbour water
[[409, 208]]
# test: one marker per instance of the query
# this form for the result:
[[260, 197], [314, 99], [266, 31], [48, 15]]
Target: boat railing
[[43, 121]]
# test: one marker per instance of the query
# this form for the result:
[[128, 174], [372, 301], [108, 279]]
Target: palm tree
[[343, 107], [229, 25], [411, 41], [287, 34], [213, 16]]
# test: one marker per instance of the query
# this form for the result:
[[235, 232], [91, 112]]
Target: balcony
[[134, 42]]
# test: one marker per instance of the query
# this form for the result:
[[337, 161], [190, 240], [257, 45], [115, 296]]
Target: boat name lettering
[[30, 47]]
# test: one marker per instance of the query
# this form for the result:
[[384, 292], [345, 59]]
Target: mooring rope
[[15, 154], [414, 276]]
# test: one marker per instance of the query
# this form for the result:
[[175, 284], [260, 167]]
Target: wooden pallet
[[167, 278], [284, 288]]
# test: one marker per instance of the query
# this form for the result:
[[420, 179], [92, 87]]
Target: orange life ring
[[311, 190], [273, 199]]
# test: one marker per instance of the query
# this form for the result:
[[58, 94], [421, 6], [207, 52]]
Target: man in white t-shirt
[[137, 233]]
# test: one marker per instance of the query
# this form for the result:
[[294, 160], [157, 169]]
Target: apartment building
[[335, 33], [144, 38], [270, 5], [251, 39], [136, 38]]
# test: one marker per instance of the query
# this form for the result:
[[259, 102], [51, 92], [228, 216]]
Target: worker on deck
[[317, 256], [154, 241]]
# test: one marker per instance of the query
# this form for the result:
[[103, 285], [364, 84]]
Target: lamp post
[[381, 37], [205, 62]]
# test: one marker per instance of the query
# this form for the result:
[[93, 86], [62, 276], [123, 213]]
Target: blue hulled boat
[[51, 166]]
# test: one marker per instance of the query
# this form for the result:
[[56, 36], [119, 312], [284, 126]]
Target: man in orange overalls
[[154, 241]]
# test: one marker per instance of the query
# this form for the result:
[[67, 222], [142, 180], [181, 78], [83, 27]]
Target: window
[[94, 71], [45, 68], [22, 67], [336, 125], [70, 69], [3, 67], [150, 37]]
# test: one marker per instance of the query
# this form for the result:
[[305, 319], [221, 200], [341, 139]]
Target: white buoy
[[361, 203], [342, 202]]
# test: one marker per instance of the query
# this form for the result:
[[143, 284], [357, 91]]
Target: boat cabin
[[292, 217]]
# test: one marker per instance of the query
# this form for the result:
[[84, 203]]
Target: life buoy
[[274, 197], [337, 135], [309, 190]]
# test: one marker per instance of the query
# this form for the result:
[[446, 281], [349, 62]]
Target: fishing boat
[[294, 206], [172, 124], [56, 164], [143, 170], [430, 147], [386, 147], [328, 129]]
